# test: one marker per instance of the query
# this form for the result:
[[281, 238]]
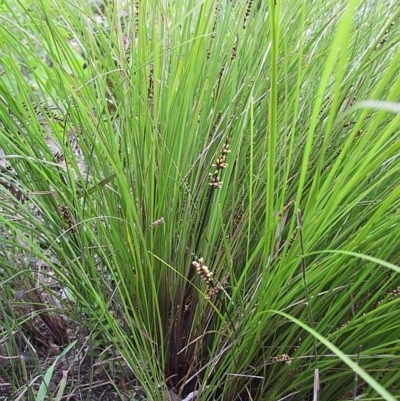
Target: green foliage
[[234, 229]]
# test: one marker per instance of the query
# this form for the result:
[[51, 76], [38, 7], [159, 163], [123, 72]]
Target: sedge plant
[[231, 227]]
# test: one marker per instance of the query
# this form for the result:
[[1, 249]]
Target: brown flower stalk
[[220, 164]]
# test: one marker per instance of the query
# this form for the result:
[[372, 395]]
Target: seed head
[[203, 271]]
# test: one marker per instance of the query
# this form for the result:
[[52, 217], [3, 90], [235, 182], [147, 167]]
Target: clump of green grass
[[233, 233]]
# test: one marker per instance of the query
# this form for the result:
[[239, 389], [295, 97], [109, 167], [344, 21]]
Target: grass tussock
[[199, 199]]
